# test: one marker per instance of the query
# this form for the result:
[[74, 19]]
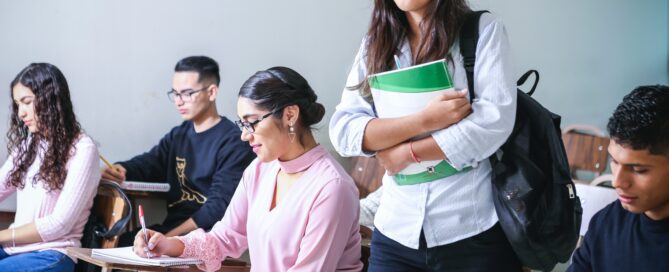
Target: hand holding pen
[[146, 236], [150, 243], [143, 224]]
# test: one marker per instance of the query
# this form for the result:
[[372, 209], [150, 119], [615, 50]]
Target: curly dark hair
[[57, 125], [641, 121]]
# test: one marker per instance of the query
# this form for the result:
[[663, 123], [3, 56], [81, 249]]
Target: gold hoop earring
[[291, 132]]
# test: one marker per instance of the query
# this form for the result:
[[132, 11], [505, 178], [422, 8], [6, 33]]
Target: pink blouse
[[59, 216], [313, 228]]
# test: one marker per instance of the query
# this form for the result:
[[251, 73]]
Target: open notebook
[[125, 255]]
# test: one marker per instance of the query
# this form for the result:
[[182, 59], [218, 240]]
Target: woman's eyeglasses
[[251, 126]]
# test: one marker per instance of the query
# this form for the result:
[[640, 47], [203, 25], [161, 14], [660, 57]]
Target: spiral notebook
[[125, 255], [145, 186]]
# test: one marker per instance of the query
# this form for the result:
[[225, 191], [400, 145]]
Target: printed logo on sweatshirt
[[187, 193]]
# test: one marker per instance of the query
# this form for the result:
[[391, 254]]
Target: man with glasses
[[202, 159]]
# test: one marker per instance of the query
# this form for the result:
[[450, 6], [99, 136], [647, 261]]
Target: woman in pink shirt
[[296, 208], [52, 167]]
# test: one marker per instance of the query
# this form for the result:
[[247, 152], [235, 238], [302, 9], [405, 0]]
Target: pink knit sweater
[[59, 216]]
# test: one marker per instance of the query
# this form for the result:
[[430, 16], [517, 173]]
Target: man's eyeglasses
[[185, 95], [251, 126]]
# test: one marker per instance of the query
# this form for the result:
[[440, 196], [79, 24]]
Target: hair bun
[[314, 114]]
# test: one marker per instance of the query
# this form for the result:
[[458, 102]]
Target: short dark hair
[[206, 67], [279, 87], [641, 121]]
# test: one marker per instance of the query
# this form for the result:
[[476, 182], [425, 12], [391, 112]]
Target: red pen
[[143, 224]]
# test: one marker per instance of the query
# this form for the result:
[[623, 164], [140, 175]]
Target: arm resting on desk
[[150, 166], [231, 161], [26, 234]]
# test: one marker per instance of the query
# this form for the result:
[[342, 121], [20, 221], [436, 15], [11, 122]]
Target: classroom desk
[[84, 254], [133, 195]]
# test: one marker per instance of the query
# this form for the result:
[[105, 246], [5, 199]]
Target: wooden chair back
[[367, 174], [110, 206], [586, 149]]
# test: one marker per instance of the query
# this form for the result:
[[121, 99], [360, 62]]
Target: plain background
[[118, 56]]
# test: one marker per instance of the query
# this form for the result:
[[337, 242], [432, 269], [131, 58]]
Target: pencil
[[107, 162]]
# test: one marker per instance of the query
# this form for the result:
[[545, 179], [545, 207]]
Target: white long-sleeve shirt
[[59, 215], [458, 206]]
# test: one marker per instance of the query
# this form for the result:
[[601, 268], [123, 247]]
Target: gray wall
[[118, 56], [589, 53]]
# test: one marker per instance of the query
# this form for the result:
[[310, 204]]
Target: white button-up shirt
[[461, 205]]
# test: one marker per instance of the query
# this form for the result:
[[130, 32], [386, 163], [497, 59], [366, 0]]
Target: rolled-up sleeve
[[480, 134], [348, 123]]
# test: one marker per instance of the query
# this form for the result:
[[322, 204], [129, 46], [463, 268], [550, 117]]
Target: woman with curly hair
[[52, 167]]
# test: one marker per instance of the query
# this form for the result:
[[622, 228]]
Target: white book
[[125, 255], [405, 91], [145, 186]]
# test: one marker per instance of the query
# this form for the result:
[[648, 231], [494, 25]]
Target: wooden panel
[[586, 152], [367, 174], [109, 206], [6, 219]]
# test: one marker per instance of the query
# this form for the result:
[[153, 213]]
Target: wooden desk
[[84, 254]]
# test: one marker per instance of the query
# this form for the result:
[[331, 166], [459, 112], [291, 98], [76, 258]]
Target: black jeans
[[486, 251]]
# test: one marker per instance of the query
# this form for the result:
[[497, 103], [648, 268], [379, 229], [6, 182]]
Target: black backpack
[[535, 198], [95, 230]]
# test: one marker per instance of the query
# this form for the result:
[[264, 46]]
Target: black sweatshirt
[[618, 240], [203, 170]]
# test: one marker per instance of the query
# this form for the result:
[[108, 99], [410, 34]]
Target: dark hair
[[57, 124], [642, 120], [206, 68], [389, 28], [279, 87]]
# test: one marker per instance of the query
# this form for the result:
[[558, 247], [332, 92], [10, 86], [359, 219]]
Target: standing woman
[[296, 208], [448, 224], [53, 168]]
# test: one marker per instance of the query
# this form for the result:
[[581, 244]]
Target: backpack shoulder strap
[[469, 37]]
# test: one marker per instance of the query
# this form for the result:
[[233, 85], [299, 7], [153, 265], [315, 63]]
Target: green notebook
[[405, 91]]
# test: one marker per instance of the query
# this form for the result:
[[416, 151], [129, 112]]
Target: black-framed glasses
[[251, 126], [185, 95]]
